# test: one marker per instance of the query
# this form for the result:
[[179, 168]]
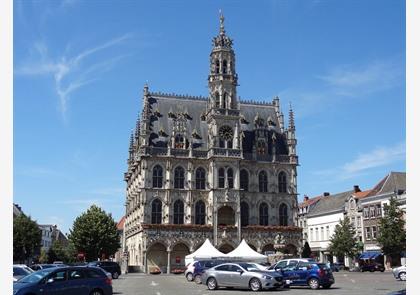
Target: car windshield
[[20, 271], [248, 266], [36, 276]]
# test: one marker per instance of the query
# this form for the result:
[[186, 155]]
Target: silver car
[[242, 276], [400, 273]]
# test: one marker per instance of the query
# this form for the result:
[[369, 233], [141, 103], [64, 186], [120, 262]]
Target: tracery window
[[282, 182], [200, 178], [178, 212], [224, 67], [230, 177], [263, 181], [283, 214], [244, 214], [244, 180], [200, 212], [156, 211], [221, 176], [157, 176], [179, 177], [263, 214]]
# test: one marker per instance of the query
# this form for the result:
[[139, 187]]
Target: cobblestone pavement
[[346, 283]]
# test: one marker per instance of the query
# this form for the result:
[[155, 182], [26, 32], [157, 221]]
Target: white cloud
[[70, 73], [380, 156]]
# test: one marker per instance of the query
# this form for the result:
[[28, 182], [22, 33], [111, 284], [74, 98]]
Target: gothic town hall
[[209, 167]]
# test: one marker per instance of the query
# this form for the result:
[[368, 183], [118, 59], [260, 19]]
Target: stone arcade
[[209, 167]]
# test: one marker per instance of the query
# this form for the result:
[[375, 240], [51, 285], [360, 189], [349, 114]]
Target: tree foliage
[[95, 234], [392, 233], [306, 251], [26, 238], [344, 242], [57, 252]]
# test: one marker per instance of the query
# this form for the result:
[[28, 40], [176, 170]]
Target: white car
[[20, 271], [400, 273]]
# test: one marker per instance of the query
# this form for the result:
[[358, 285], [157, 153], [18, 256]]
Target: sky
[[80, 67]]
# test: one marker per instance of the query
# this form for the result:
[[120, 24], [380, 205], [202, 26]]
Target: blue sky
[[80, 66]]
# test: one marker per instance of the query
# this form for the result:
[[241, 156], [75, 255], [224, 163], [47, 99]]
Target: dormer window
[[179, 141]]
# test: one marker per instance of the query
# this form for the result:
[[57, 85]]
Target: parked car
[[335, 266], [109, 266], [44, 266], [310, 274], [20, 271], [65, 280], [242, 276], [288, 262], [201, 266], [400, 272], [372, 267]]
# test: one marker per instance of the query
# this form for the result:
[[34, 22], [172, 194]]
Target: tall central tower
[[223, 78]]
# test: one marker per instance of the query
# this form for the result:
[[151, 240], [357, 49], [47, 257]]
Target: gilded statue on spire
[[222, 22]]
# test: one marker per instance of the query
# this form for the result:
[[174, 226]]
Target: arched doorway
[[225, 248], [157, 257], [178, 254], [225, 216], [268, 248], [290, 249]]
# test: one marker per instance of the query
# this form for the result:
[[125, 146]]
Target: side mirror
[[50, 280]]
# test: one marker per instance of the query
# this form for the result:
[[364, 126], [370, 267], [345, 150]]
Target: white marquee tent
[[206, 251], [245, 252]]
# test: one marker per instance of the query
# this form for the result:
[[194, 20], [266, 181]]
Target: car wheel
[[197, 279], [96, 292], [190, 277], [255, 284], [402, 276], [371, 270], [327, 286], [115, 275], [313, 283], [212, 284]]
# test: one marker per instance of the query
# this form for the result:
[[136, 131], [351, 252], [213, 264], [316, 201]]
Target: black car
[[372, 267], [65, 280], [110, 266]]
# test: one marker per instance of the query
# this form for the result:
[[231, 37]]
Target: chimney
[[305, 198], [356, 188], [326, 194]]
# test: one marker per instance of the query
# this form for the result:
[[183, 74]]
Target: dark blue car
[[80, 280], [310, 274]]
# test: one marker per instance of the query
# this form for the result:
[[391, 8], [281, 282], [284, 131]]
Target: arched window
[[156, 211], [200, 178], [282, 182], [263, 181], [217, 99], [178, 212], [244, 179], [217, 66], [221, 173], [283, 214], [200, 212], [224, 67], [244, 214], [263, 214], [179, 177], [261, 148], [225, 100], [230, 177], [157, 176]]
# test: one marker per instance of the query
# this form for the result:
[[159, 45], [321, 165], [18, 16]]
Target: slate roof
[[309, 201], [330, 203], [393, 182], [193, 108]]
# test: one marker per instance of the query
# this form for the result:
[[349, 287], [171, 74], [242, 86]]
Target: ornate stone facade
[[209, 167]]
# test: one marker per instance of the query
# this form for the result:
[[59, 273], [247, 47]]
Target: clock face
[[226, 133]]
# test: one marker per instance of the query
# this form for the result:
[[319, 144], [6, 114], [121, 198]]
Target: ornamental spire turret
[[291, 118], [222, 78]]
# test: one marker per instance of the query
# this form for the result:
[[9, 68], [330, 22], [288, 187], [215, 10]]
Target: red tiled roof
[[309, 201], [363, 194], [120, 224]]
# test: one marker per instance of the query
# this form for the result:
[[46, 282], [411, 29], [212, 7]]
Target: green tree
[[392, 234], [57, 252], [26, 238], [306, 251], [95, 234], [343, 242], [43, 257]]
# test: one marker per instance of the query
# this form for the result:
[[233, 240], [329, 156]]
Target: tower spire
[[222, 23], [291, 118]]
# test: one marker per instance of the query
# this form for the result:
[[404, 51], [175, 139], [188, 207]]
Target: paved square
[[346, 283]]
